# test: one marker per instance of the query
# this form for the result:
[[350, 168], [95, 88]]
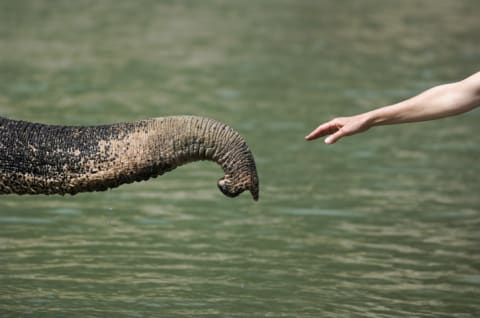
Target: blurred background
[[383, 224]]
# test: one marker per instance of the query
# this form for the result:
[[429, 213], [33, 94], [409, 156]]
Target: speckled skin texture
[[48, 159]]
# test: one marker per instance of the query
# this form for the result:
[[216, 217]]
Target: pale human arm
[[437, 102]]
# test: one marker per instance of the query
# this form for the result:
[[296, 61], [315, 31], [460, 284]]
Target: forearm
[[438, 102]]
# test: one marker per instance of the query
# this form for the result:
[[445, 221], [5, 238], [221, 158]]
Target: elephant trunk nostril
[[232, 188], [222, 186], [228, 188]]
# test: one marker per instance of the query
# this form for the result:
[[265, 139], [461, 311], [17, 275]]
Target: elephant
[[52, 159]]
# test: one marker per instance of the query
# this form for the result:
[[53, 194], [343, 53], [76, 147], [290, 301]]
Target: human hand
[[340, 127]]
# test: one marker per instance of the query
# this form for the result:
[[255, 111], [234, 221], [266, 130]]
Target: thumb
[[334, 137]]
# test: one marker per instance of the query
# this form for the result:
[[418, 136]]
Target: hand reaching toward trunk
[[437, 102]]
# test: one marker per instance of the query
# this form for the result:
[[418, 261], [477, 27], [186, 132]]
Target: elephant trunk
[[36, 158]]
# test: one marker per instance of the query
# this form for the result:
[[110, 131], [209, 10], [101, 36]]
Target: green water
[[384, 224]]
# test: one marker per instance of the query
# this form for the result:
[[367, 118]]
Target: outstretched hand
[[340, 127], [437, 102]]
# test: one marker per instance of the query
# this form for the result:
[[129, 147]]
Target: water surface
[[384, 224]]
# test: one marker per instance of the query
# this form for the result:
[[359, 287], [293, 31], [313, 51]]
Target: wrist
[[371, 119], [380, 116]]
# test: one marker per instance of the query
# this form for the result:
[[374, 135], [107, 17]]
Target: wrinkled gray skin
[[36, 158]]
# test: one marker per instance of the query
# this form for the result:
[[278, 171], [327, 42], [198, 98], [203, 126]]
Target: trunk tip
[[254, 193], [232, 188]]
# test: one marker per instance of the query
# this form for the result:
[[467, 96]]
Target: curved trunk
[[36, 158]]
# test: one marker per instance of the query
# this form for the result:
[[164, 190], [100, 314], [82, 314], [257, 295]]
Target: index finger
[[322, 130]]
